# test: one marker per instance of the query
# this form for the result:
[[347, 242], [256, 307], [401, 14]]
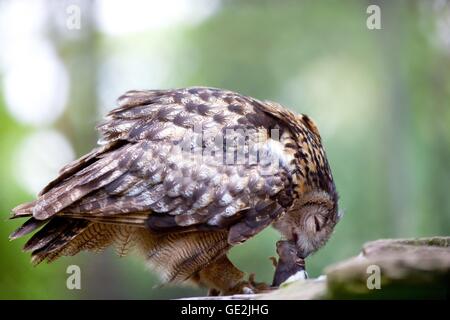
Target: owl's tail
[[68, 234], [64, 236], [54, 235]]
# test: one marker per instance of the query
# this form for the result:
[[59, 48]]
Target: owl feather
[[162, 183]]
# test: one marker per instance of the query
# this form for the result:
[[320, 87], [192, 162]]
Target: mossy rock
[[408, 269]]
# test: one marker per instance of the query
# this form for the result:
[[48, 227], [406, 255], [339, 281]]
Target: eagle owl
[[183, 175]]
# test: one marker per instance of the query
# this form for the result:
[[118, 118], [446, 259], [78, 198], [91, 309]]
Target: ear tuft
[[310, 124]]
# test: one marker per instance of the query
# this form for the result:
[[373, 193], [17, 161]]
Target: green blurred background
[[381, 99]]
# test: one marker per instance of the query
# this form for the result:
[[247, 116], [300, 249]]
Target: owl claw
[[258, 287], [213, 292], [249, 287]]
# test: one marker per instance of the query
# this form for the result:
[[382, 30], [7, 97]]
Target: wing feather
[[146, 168]]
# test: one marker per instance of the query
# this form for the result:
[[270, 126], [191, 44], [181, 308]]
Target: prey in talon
[[290, 265]]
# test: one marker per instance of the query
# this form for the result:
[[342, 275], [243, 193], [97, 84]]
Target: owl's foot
[[212, 292], [260, 287], [223, 278], [249, 286]]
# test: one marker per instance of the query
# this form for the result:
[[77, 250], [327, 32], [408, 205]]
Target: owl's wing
[[186, 159]]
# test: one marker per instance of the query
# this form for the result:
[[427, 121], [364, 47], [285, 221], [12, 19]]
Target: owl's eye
[[315, 222]]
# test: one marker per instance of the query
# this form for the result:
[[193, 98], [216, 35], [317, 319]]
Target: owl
[[180, 177]]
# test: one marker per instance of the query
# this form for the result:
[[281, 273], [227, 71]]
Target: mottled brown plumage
[[182, 176]]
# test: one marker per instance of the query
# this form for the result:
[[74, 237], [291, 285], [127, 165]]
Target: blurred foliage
[[381, 99]]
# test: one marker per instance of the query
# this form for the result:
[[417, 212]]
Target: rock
[[311, 289], [408, 268], [385, 269]]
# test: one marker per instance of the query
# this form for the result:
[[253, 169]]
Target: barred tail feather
[[67, 236], [53, 237]]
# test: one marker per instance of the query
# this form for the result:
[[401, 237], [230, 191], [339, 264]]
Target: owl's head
[[316, 217], [310, 222]]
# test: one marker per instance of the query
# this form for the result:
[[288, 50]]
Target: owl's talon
[[249, 287], [258, 287], [213, 292]]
